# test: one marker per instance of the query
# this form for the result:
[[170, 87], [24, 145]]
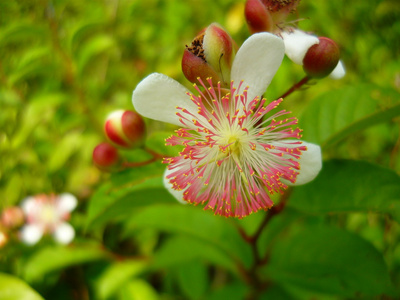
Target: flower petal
[[64, 233], [178, 195], [31, 234], [338, 72], [310, 164], [297, 43], [28, 204], [66, 202], [157, 96], [257, 61]]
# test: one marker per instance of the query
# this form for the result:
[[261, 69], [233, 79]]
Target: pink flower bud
[[12, 217], [257, 16], [268, 15], [211, 54], [125, 128], [321, 58], [280, 9], [106, 157]]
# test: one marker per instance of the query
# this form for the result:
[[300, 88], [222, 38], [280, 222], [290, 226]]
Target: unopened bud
[[3, 238], [280, 9], [12, 217], [257, 16], [321, 58], [125, 128], [268, 15], [106, 157], [211, 54]]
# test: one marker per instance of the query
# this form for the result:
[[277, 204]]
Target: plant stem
[[259, 284], [295, 87]]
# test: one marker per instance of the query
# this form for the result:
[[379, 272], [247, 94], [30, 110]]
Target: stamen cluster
[[234, 155]]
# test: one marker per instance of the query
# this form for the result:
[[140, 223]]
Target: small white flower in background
[[47, 214]]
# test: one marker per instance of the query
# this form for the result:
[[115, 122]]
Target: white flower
[[236, 153], [47, 214]]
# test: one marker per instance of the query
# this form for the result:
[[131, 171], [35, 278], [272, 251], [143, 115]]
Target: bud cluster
[[210, 55], [124, 129], [319, 55]]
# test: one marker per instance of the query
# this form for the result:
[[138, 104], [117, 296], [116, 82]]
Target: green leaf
[[182, 249], [190, 220], [331, 261], [193, 279], [233, 291], [92, 48], [350, 186], [64, 149], [336, 110], [368, 121], [126, 191], [116, 276], [138, 289], [13, 288], [54, 258]]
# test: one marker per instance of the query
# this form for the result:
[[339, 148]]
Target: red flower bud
[[125, 128], [12, 217], [106, 157], [211, 54], [322, 58], [257, 16]]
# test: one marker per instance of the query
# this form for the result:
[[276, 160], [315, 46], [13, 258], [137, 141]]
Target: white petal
[[338, 72], [257, 61], [310, 164], [157, 96], [28, 205], [178, 195], [66, 202], [64, 233], [297, 43], [31, 234]]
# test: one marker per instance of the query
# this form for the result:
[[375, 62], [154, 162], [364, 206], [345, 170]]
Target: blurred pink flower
[[47, 214]]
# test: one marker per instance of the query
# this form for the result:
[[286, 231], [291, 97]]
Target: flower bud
[[12, 217], [3, 238], [268, 15], [211, 54], [257, 16], [106, 157], [125, 128], [321, 58], [280, 9]]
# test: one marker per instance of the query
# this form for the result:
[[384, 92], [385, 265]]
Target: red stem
[[295, 87]]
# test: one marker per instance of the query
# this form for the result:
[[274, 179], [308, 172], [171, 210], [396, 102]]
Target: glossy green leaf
[[183, 249], [13, 288], [138, 289], [55, 258], [368, 121], [126, 191], [192, 221], [193, 279], [350, 186], [331, 261], [116, 276], [336, 110]]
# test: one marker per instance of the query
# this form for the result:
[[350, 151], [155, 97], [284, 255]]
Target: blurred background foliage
[[65, 64]]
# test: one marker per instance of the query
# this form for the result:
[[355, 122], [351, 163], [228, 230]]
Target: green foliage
[[66, 64]]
